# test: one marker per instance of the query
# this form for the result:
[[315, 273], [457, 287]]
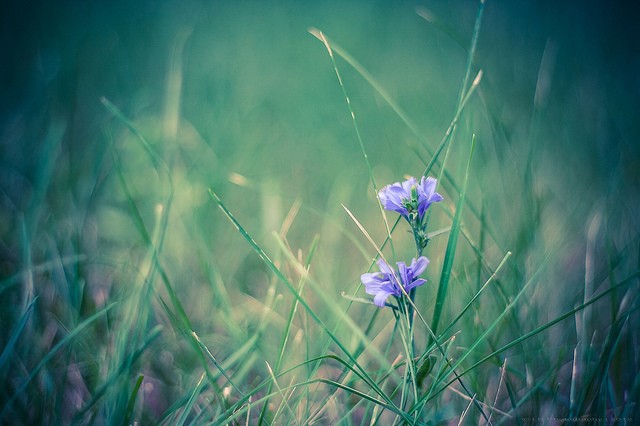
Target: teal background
[[262, 120]]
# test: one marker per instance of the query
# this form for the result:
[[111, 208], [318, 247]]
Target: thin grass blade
[[451, 249], [15, 334], [132, 400]]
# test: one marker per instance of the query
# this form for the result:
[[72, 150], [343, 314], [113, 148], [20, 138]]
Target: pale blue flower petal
[[384, 268], [419, 265], [371, 278], [398, 197], [408, 184], [415, 283], [389, 282], [392, 197], [381, 298]]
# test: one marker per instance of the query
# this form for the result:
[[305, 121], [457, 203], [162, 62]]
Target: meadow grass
[[195, 263]]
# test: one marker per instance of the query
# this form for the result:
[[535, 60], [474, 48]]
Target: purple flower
[[387, 282], [410, 197]]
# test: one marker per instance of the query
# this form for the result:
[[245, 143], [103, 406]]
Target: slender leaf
[[451, 249]]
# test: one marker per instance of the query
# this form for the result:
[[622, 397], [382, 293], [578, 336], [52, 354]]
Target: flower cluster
[[388, 282], [411, 199]]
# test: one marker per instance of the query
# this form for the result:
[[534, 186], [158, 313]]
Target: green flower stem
[[412, 292]]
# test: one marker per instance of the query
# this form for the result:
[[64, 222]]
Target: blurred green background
[[241, 98]]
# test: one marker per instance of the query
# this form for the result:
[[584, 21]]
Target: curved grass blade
[[132, 400]]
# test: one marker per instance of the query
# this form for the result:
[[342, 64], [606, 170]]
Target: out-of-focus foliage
[[240, 97]]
